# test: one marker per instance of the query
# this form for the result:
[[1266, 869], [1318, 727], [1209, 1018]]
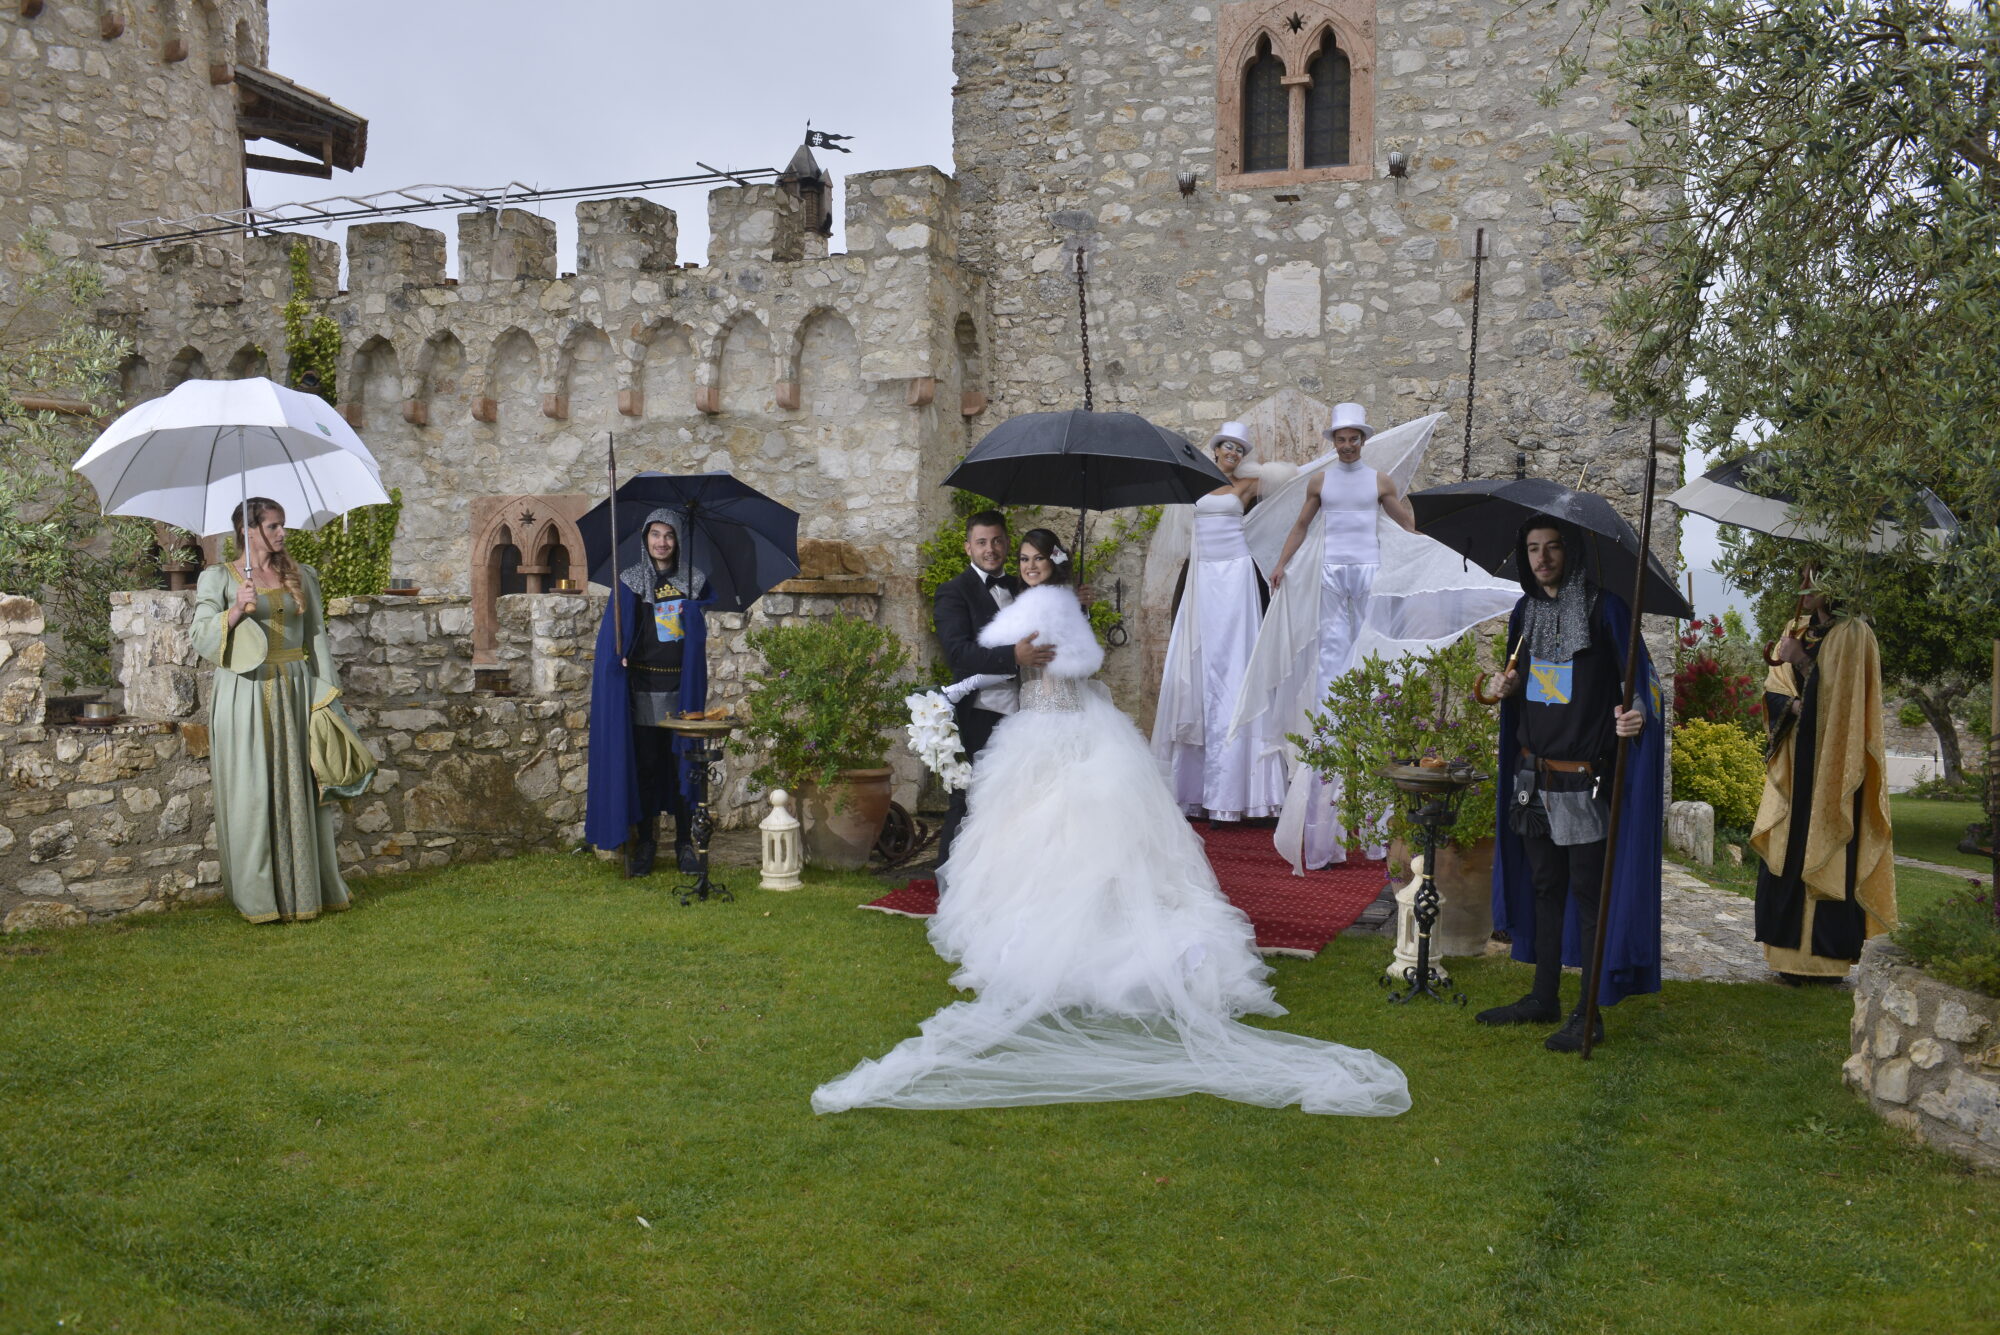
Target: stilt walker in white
[[1350, 577], [1213, 774]]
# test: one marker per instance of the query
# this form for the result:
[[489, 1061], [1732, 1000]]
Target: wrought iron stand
[[708, 737], [1437, 793]]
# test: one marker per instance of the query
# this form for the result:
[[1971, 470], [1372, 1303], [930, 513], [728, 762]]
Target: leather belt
[[1547, 766]]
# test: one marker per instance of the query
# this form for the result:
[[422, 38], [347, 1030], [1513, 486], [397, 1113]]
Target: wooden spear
[[1596, 969], [617, 620]]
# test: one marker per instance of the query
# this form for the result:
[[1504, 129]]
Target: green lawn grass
[[449, 1109], [1916, 887], [1931, 830]]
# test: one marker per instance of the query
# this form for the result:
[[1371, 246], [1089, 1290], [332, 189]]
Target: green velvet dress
[[274, 834]]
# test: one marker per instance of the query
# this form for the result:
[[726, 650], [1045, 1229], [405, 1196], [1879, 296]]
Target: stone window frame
[[498, 520], [1240, 29]]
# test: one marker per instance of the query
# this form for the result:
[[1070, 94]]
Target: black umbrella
[[745, 541], [1086, 460], [1482, 520], [1742, 493]]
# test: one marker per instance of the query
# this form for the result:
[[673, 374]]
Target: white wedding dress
[[1214, 774], [1082, 913]]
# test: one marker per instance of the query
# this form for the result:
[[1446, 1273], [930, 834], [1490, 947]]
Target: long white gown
[[1213, 774], [1082, 913]]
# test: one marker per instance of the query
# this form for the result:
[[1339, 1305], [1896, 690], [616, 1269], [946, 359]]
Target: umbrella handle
[[1479, 682]]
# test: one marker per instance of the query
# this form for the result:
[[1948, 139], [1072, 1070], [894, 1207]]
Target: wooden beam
[[289, 166]]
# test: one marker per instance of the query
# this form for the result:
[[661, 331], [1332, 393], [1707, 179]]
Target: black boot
[[685, 857], [644, 849], [1530, 1009], [1569, 1038]]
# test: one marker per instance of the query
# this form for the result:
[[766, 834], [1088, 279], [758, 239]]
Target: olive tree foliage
[[53, 543], [1801, 238]]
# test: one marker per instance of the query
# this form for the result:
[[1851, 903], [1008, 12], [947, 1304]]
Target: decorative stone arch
[[1295, 30], [173, 30], [374, 379], [135, 381], [246, 44], [718, 368], [790, 389], [584, 343], [520, 544], [249, 361], [971, 365], [652, 379], [216, 42], [441, 369], [513, 354], [187, 364]]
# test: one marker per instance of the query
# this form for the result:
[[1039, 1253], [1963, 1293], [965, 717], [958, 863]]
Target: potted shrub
[[1412, 709], [818, 718]]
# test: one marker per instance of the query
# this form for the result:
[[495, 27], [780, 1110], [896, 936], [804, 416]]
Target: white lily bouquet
[[933, 730]]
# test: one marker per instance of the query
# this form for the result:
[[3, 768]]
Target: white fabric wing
[[1051, 613], [1395, 453]]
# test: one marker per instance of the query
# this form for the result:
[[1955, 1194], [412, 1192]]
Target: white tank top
[[1349, 500]]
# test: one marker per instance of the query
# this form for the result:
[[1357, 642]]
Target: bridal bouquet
[[935, 741]]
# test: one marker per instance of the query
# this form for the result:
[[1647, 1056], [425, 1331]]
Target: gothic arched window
[[1326, 107], [1266, 113], [1294, 92]]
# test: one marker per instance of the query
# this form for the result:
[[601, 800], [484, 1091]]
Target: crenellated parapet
[[843, 384]]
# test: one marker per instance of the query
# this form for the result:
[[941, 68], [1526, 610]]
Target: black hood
[[1575, 554]]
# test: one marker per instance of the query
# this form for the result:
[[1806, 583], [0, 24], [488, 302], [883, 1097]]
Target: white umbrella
[[1738, 493], [190, 457]]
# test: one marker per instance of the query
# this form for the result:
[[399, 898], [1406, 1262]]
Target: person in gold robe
[[260, 622], [1829, 876]]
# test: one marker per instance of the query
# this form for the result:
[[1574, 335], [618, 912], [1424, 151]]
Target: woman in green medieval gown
[[266, 635]]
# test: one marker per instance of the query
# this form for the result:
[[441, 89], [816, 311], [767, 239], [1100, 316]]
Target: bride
[[1104, 960]]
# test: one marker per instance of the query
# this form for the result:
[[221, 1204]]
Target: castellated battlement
[[844, 385]]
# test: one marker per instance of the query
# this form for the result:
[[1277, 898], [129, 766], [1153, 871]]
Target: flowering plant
[[934, 739], [1713, 680], [1404, 710]]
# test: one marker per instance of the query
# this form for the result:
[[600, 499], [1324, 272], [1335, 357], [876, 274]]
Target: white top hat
[[1233, 431], [1349, 414]]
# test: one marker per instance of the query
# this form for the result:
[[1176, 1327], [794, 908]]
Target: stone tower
[[111, 111], [1278, 201]]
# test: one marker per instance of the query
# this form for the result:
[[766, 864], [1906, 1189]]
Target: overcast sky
[[484, 92]]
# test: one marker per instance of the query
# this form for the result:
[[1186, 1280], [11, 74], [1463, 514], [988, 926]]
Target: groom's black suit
[[962, 607]]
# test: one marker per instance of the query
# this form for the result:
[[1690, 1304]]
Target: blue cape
[[611, 803], [1632, 942]]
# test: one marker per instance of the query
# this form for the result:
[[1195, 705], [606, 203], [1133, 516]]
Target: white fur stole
[[1052, 614]]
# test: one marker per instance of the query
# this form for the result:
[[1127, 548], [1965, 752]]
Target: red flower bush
[[1705, 688]]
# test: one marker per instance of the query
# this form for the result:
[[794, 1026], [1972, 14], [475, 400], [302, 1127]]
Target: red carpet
[[1293, 915]]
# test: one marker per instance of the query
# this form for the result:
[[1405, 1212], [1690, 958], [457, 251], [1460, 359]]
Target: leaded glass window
[[1327, 107], [1266, 113]]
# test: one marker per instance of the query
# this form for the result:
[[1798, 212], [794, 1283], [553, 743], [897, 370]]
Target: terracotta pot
[[844, 819], [1465, 897]]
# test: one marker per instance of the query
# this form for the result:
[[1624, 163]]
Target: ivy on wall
[[312, 342], [352, 553]]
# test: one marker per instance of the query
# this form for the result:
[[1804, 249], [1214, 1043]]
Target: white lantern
[[783, 854]]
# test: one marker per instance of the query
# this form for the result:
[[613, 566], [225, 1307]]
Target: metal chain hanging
[[1083, 327], [1472, 365]]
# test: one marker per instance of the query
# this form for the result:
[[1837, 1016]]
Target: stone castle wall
[[1072, 126], [833, 383], [1926, 1055], [100, 822], [111, 112]]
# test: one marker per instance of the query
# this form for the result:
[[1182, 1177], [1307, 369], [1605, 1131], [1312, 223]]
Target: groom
[[963, 606]]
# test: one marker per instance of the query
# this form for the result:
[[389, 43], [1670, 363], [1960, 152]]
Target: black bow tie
[[993, 581]]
